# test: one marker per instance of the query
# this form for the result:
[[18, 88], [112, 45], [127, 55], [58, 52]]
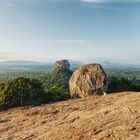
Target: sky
[[44, 30]]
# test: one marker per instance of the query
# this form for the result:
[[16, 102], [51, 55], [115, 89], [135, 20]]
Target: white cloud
[[71, 41], [6, 55], [10, 4], [112, 1], [94, 1], [102, 4]]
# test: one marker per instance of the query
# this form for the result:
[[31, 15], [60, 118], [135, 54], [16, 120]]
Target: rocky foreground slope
[[111, 117]]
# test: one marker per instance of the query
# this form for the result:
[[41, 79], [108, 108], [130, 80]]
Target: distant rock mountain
[[59, 76], [62, 64]]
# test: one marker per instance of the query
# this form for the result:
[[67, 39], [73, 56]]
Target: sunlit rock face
[[62, 64], [88, 80]]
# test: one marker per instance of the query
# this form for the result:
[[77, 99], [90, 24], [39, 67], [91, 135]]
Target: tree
[[21, 91], [56, 93], [58, 77], [56, 84], [118, 85]]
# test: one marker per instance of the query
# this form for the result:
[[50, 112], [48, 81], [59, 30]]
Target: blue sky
[[42, 30]]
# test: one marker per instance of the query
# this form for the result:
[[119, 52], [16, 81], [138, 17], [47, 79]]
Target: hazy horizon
[[44, 30]]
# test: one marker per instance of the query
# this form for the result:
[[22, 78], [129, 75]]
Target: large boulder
[[62, 64], [88, 80]]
